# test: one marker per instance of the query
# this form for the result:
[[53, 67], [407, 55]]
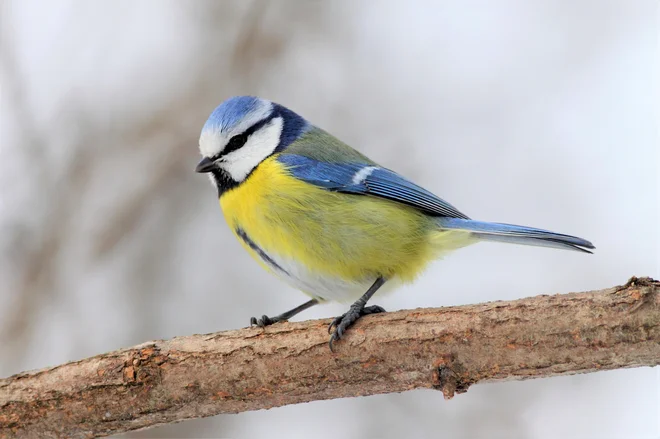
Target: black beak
[[206, 165]]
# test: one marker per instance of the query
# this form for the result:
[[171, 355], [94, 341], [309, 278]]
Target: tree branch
[[447, 349]]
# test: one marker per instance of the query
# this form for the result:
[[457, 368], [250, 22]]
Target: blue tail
[[516, 234]]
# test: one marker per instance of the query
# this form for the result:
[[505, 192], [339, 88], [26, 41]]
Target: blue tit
[[327, 219]]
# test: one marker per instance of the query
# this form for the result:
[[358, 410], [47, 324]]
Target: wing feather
[[367, 179]]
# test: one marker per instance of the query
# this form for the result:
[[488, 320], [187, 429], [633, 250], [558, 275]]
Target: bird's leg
[[265, 320], [357, 310]]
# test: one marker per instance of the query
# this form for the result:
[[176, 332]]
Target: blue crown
[[231, 112]]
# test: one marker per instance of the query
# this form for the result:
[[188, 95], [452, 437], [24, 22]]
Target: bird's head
[[241, 133]]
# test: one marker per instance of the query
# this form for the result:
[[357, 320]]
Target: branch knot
[[450, 377]]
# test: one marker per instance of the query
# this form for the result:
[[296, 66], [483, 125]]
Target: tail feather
[[516, 234]]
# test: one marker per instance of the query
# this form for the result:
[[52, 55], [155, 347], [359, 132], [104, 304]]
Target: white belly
[[322, 286]]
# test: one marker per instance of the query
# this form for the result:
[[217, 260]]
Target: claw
[[332, 339], [335, 322], [343, 322], [262, 322], [357, 310]]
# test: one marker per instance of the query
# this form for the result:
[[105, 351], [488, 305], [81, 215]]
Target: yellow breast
[[352, 237]]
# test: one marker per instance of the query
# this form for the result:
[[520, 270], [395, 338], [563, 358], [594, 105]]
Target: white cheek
[[259, 146]]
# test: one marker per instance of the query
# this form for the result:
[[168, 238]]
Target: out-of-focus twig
[[37, 272]]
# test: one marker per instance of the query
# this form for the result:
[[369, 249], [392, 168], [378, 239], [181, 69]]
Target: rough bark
[[447, 349]]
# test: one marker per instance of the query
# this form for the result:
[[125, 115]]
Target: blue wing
[[364, 179]]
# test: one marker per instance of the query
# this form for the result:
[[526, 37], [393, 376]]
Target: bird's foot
[[344, 321], [265, 321]]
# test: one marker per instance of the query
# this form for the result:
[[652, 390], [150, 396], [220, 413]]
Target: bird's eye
[[235, 143]]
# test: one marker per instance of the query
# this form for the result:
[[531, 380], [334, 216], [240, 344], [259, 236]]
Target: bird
[[328, 220]]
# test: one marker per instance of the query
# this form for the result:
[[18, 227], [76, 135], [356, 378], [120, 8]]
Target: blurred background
[[540, 113]]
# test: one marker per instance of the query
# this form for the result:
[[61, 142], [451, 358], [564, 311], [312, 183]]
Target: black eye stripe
[[235, 143], [239, 140]]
